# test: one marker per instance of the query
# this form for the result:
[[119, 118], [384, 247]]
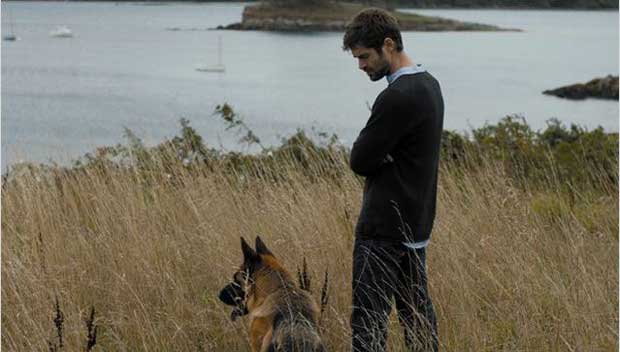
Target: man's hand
[[388, 159]]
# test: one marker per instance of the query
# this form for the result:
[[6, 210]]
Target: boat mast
[[219, 50], [12, 32]]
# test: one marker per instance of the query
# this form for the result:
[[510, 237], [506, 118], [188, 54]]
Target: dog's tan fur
[[282, 316]]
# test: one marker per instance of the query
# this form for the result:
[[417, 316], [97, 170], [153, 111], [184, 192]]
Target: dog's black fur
[[233, 295]]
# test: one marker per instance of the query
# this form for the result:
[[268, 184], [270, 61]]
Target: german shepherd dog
[[282, 317]]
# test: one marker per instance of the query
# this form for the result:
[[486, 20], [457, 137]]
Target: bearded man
[[398, 154]]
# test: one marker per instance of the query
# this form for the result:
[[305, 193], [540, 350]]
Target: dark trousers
[[386, 271]]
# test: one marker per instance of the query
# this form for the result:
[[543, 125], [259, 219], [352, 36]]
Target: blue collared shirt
[[407, 70]]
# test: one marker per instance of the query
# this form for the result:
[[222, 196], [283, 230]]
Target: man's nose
[[361, 65]]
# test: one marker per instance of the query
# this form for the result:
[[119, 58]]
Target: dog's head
[[237, 292]]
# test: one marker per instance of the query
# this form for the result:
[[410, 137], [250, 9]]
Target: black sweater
[[398, 152]]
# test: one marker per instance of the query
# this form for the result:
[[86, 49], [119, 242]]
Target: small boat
[[10, 37], [61, 32], [215, 68]]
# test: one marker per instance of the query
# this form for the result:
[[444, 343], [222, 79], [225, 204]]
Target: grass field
[[511, 267]]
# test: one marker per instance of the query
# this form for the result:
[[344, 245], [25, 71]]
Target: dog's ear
[[249, 255], [261, 248]]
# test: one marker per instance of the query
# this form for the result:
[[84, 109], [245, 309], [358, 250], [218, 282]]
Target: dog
[[282, 316]]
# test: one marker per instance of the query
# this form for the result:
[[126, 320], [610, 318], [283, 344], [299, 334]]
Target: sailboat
[[61, 32], [215, 68], [10, 37]]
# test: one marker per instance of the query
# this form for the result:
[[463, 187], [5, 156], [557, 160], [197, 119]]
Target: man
[[398, 153]]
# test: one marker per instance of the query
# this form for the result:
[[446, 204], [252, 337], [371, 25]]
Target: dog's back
[[294, 322], [295, 329], [296, 336]]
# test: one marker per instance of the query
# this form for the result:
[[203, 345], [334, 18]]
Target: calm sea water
[[63, 97]]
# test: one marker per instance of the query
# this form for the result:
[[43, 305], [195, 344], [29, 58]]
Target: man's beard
[[380, 73]]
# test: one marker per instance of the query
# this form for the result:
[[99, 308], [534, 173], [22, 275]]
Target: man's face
[[370, 61]]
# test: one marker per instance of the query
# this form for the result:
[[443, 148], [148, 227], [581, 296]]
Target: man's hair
[[369, 28]]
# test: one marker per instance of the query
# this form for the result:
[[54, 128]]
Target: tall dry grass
[[511, 267]]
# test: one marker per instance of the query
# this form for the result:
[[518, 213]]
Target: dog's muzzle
[[233, 295]]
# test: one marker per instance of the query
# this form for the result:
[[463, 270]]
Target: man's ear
[[261, 248], [249, 255], [389, 44]]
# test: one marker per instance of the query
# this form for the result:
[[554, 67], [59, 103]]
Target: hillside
[[525, 241]]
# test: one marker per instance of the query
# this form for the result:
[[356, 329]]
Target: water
[[64, 97]]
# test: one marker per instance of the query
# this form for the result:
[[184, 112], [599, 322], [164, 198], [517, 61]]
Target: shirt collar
[[407, 70]]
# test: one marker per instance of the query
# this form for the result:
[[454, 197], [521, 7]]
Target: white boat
[[215, 68], [61, 32]]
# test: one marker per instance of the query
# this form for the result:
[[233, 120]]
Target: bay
[[134, 65]]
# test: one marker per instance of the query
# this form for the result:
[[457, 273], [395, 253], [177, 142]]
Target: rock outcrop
[[604, 88]]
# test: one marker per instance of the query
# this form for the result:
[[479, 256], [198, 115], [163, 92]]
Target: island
[[604, 88], [319, 15]]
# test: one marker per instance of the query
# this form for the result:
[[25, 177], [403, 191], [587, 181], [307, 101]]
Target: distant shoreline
[[512, 8]]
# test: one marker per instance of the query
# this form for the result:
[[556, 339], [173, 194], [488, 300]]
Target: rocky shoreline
[[265, 17], [603, 88]]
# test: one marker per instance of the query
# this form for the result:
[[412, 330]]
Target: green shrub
[[574, 157]]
